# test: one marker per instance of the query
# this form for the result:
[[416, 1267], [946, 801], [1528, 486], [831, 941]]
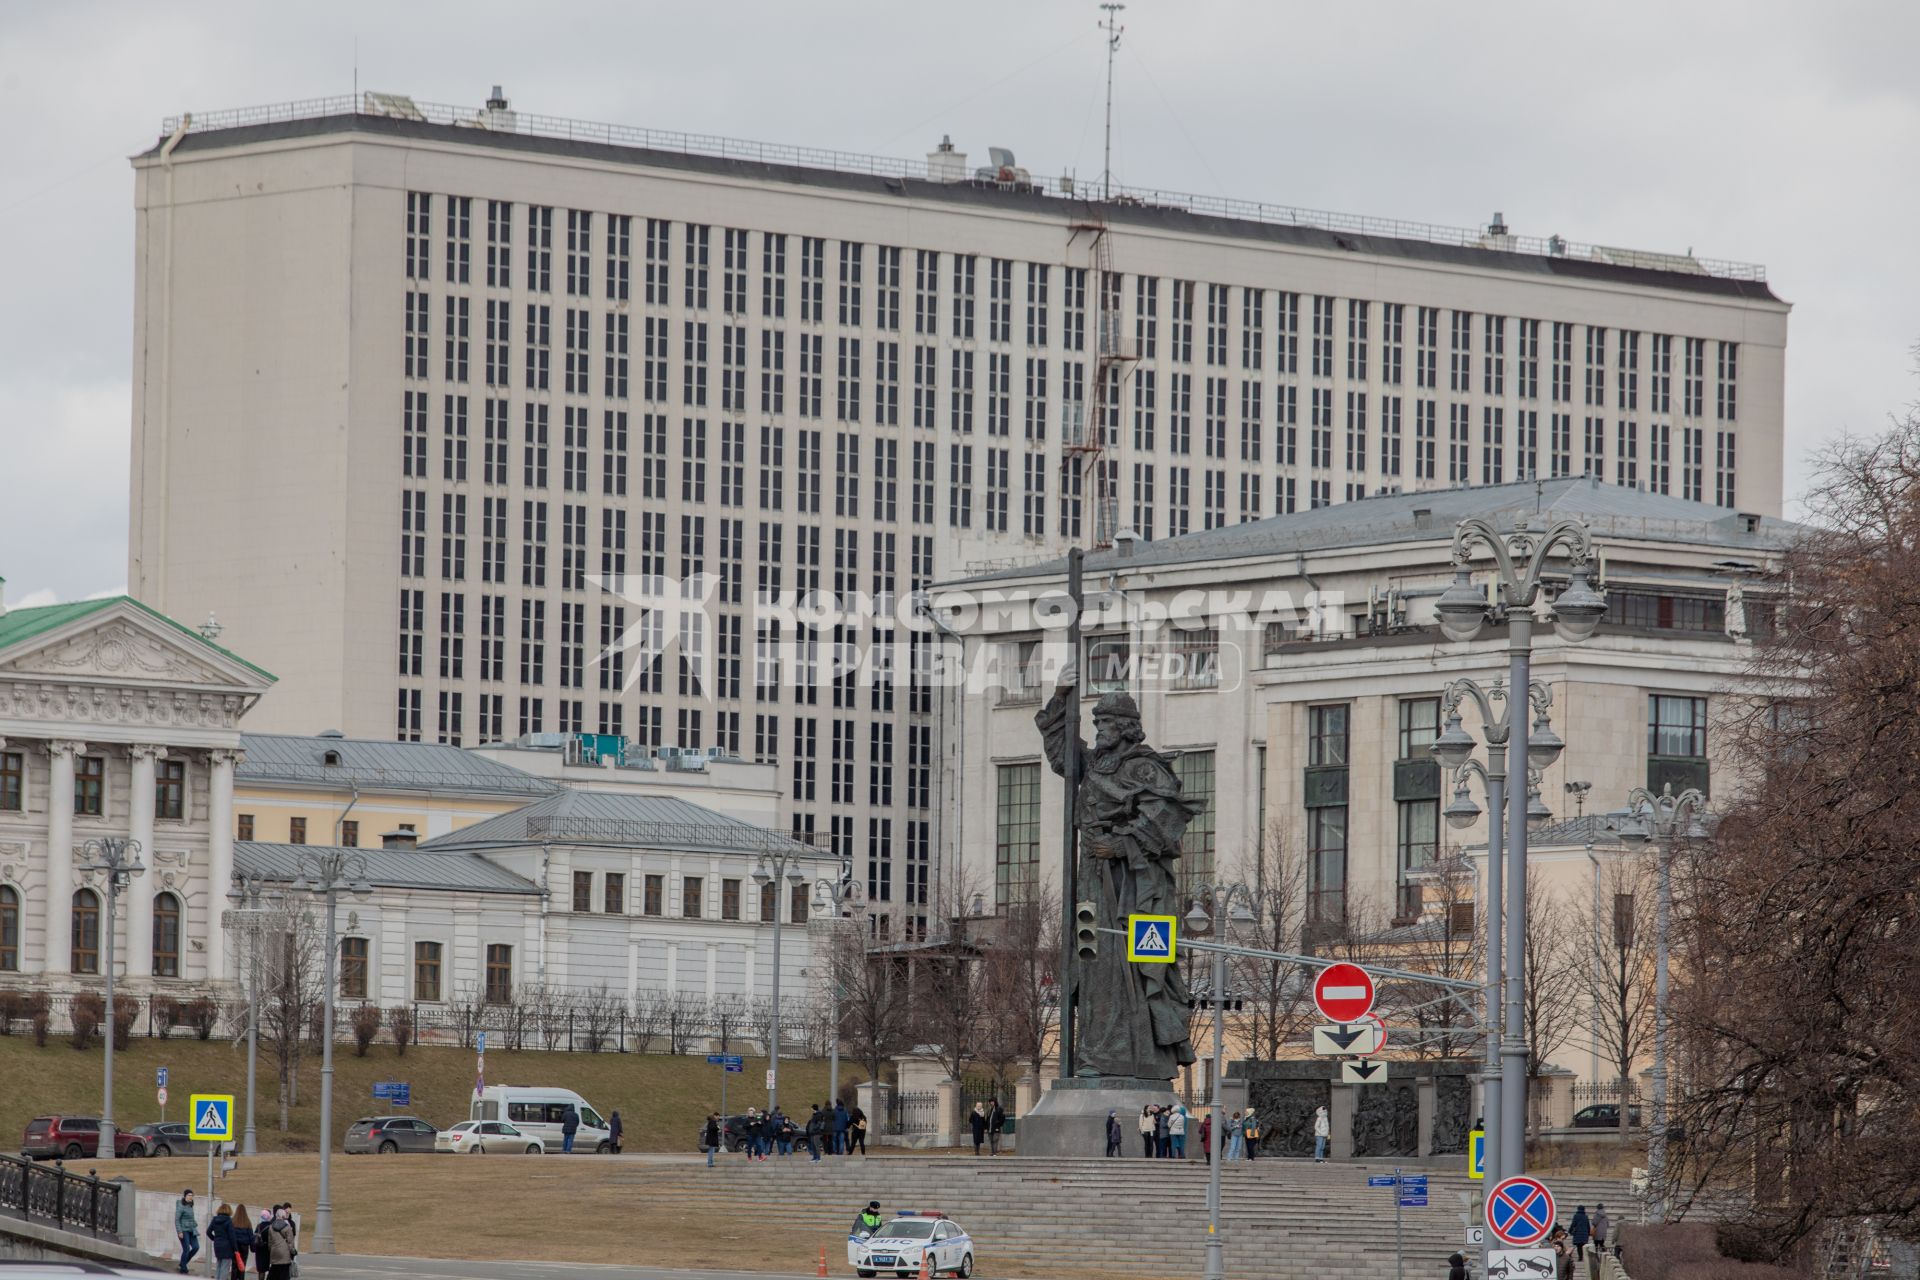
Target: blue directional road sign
[[160, 1078], [731, 1061], [1383, 1180], [398, 1092], [1413, 1192], [1520, 1211], [210, 1117]]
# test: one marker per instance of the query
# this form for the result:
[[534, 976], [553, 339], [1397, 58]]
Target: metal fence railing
[[401, 107], [913, 1112], [51, 1196], [1604, 1091]]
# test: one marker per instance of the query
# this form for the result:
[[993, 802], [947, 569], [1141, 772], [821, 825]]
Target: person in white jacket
[[1321, 1131], [1177, 1131]]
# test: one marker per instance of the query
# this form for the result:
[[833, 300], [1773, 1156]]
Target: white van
[[540, 1112]]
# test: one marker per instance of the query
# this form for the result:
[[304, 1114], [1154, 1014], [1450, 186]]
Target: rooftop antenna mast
[[1114, 30]]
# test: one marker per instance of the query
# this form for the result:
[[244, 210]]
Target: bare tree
[[685, 1016], [647, 1016], [1022, 995], [597, 1013], [1620, 987], [1557, 972], [517, 1016], [1277, 995], [875, 1003], [727, 1014], [291, 959], [1447, 941]]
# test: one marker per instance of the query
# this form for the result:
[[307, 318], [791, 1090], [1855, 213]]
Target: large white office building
[[414, 382]]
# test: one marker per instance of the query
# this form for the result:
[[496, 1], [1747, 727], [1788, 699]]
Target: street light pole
[[1231, 904], [1520, 558], [328, 873], [245, 916], [118, 859], [781, 868], [837, 896], [1662, 819]]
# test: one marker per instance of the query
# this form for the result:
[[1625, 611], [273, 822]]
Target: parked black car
[[169, 1139], [1605, 1115], [733, 1133]]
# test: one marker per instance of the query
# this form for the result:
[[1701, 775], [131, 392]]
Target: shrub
[[166, 1015], [1692, 1251], [126, 1011], [201, 1013], [400, 1021], [85, 1012], [12, 1006], [366, 1025], [42, 1015]]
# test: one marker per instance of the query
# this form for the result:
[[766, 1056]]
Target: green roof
[[17, 625]]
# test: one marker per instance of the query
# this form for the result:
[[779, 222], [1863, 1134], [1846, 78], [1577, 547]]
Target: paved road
[[445, 1269]]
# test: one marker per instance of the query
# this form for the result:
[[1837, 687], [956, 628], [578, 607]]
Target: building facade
[[116, 723], [1295, 669], [452, 416]]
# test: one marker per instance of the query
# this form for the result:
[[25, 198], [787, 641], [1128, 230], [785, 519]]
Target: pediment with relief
[[120, 651]]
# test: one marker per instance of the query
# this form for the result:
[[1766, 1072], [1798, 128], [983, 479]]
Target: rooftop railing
[[401, 107]]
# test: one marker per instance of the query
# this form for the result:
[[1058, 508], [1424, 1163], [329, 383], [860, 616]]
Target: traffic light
[[1086, 938]]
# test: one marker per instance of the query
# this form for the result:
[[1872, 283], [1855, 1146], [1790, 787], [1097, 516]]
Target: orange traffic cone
[[823, 1261], [926, 1263]]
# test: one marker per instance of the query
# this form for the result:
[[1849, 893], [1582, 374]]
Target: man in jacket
[[569, 1125], [1322, 1130], [187, 1226], [1250, 1134], [839, 1127], [816, 1132], [869, 1220], [1582, 1231], [1113, 1134], [996, 1124], [710, 1137], [1600, 1225]]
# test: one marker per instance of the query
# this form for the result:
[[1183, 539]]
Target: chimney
[[944, 164], [497, 116], [401, 839]]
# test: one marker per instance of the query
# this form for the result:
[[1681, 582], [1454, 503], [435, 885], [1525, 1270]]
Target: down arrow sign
[[1346, 1036], [1364, 1070]]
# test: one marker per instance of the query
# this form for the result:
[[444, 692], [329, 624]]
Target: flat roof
[[399, 118]]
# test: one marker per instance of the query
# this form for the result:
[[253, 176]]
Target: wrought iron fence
[[1605, 1091], [50, 1195], [913, 1112]]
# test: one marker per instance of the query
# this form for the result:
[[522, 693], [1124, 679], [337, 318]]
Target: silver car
[[386, 1135]]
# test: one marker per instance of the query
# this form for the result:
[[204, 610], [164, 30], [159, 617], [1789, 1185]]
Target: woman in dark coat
[[614, 1130], [1162, 1143], [856, 1131], [978, 1120], [1113, 1134]]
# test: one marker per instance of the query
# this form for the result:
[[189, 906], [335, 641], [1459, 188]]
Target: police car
[[901, 1244]]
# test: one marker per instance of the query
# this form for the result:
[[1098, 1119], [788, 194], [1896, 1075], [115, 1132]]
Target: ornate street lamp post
[[328, 873], [1218, 907], [118, 860], [1520, 559], [840, 896], [782, 868]]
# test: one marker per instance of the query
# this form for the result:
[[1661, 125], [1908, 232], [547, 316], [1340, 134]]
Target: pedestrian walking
[[1177, 1132], [710, 1136], [569, 1125], [242, 1240], [769, 1133], [1162, 1142], [220, 1236], [840, 1122], [614, 1130], [1251, 1131], [293, 1225], [1600, 1225], [996, 1124], [1206, 1137], [815, 1132], [1236, 1139], [1457, 1267], [856, 1131], [1322, 1130], [1146, 1130], [1581, 1231], [1113, 1134], [280, 1246], [978, 1123], [186, 1225]]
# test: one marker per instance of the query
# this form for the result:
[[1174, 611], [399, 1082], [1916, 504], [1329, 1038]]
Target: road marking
[[1344, 993]]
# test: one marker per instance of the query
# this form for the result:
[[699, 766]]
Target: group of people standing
[[271, 1244], [1163, 1134], [987, 1123], [835, 1130]]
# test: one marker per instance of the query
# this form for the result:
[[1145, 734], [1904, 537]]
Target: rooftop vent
[[330, 757], [944, 164], [1749, 522], [331, 733], [404, 838], [497, 116], [1498, 227]]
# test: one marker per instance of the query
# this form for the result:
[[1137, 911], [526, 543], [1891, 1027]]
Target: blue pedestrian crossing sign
[[210, 1117], [1151, 939], [1477, 1154]]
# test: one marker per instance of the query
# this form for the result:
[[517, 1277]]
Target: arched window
[[86, 932], [9, 929], [166, 936]]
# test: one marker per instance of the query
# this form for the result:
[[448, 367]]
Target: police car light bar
[[918, 1213]]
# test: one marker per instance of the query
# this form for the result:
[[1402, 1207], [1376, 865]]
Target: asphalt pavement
[[447, 1269]]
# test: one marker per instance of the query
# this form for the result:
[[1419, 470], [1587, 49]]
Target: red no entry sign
[[1343, 993], [1520, 1210]]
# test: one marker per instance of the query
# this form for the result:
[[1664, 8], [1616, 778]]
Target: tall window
[[13, 779], [583, 891], [86, 932], [1415, 784], [1419, 726], [166, 936], [499, 973], [1327, 737], [296, 830], [350, 833], [690, 887], [426, 971], [1016, 848], [89, 786], [769, 901], [1677, 727], [615, 894], [1327, 815], [653, 895], [353, 968], [1195, 771], [243, 826], [170, 789], [729, 899], [9, 929]]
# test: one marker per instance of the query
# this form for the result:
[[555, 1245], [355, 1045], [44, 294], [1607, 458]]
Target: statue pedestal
[[1071, 1117]]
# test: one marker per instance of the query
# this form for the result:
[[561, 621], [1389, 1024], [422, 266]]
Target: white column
[[138, 903], [58, 909], [219, 859]]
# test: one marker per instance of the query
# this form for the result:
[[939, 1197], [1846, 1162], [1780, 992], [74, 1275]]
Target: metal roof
[[1211, 215], [1430, 515], [372, 765], [389, 868], [611, 817]]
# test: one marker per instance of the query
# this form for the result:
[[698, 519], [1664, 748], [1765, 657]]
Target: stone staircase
[[1282, 1219]]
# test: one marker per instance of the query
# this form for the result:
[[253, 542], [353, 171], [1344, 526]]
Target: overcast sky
[[1783, 133]]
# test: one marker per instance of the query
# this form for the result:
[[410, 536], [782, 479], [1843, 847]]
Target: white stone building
[[413, 380], [1312, 725], [116, 722]]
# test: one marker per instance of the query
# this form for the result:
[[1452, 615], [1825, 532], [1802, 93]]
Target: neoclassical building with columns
[[116, 721]]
